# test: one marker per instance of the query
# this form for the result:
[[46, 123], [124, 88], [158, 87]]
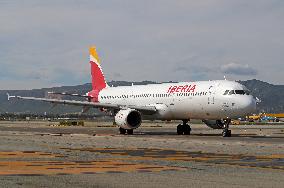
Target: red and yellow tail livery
[[98, 79]]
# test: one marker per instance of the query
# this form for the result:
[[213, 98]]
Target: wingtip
[[9, 96], [258, 100]]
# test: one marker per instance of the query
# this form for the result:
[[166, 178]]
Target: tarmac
[[38, 154]]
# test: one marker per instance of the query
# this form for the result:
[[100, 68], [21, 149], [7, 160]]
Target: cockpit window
[[231, 92], [247, 92], [240, 92], [226, 92]]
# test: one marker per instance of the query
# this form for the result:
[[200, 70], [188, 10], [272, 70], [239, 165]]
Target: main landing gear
[[226, 132], [124, 131], [183, 128]]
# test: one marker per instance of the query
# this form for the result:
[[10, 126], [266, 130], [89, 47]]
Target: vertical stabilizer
[[98, 79]]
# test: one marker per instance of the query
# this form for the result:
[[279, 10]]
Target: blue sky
[[45, 43]]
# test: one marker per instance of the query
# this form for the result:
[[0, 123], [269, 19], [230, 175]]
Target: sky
[[45, 43]]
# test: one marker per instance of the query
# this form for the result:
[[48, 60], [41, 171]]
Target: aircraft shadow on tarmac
[[164, 133]]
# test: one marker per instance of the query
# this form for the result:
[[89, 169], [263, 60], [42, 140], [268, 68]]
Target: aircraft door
[[172, 103], [171, 100], [211, 96]]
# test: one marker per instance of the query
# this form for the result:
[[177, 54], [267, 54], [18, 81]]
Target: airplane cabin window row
[[154, 95]]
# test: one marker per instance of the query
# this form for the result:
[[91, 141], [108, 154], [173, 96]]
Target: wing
[[69, 94], [142, 109]]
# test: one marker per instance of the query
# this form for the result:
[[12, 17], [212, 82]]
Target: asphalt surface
[[38, 154]]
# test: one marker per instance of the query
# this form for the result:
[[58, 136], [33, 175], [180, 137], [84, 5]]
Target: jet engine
[[214, 124], [128, 119]]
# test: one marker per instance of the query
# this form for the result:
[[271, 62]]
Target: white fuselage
[[220, 99]]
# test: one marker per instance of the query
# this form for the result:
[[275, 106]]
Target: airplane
[[214, 102]]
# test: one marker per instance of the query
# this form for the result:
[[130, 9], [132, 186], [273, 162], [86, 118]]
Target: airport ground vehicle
[[272, 117], [235, 122]]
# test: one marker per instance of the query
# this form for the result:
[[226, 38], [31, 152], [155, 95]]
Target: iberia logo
[[181, 89]]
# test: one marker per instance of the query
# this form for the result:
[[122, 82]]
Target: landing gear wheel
[[226, 133], [122, 130], [183, 129], [186, 130], [129, 131], [180, 129]]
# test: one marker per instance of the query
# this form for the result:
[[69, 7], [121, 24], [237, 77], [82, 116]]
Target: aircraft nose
[[250, 105]]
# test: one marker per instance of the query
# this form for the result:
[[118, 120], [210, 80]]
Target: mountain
[[272, 97], [24, 106]]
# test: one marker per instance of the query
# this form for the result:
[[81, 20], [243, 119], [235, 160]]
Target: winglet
[[257, 100], [9, 96]]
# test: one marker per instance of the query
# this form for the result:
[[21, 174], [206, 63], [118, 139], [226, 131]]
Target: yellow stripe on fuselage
[[93, 52]]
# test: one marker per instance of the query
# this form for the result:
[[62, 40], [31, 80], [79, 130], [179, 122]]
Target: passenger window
[[231, 92]]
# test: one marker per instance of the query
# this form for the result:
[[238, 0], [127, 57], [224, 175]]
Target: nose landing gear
[[226, 132], [184, 128]]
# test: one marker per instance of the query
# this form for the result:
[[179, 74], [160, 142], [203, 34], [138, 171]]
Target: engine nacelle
[[214, 124], [128, 119]]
